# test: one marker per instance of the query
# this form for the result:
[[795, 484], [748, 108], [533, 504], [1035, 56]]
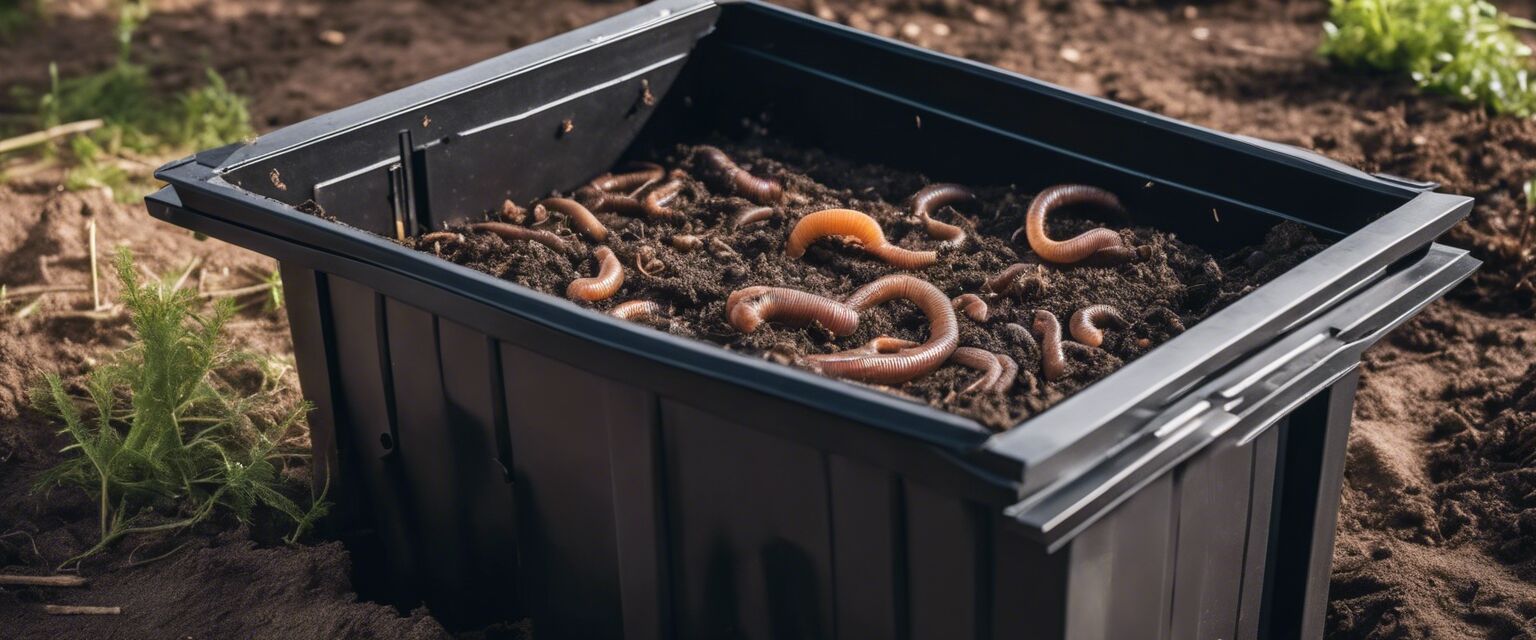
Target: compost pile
[[708, 236]]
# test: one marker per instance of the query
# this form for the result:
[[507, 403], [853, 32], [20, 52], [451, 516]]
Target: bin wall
[[498, 482]]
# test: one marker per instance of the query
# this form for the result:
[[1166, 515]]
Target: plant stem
[[41, 581], [39, 137]]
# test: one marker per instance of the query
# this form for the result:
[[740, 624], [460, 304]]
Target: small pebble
[[981, 15], [1201, 33], [940, 29], [1071, 55], [333, 37], [911, 30], [1419, 141], [1191, 12]]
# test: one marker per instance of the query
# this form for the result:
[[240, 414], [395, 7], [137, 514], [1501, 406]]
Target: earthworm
[[686, 242], [628, 183], [440, 236], [656, 201], [1101, 243], [581, 218], [1008, 281], [751, 215], [1052, 361], [509, 233], [907, 363], [598, 200], [727, 175], [1085, 323], [981, 360], [847, 222], [877, 345], [972, 305], [636, 310], [934, 197], [610, 276], [1010, 373], [747, 309]]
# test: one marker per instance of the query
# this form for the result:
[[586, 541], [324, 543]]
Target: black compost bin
[[504, 453]]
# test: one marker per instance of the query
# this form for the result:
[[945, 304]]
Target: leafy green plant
[[161, 438], [1463, 48]]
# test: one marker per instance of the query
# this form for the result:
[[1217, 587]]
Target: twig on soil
[[90, 228], [39, 137], [10, 579], [182, 280], [28, 310], [237, 292], [80, 610], [105, 313], [38, 289]]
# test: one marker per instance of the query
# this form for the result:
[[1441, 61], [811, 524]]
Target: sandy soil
[[1439, 517]]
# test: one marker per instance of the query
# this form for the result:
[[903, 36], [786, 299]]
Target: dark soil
[[1435, 528], [1170, 287]]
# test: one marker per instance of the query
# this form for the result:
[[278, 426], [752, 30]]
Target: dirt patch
[[1172, 285]]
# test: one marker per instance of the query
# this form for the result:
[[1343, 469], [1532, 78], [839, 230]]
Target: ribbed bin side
[[499, 482]]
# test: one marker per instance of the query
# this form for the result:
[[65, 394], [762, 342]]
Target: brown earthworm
[[747, 309], [847, 222], [908, 363], [439, 236], [686, 242], [981, 360], [610, 276], [880, 344], [933, 197], [1052, 361], [1104, 244], [509, 233], [1010, 373], [972, 305], [656, 201], [628, 183], [598, 200], [751, 215], [1009, 281], [636, 310], [1085, 323], [581, 218], [730, 177]]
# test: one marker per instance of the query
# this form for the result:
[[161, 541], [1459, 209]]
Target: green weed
[[1463, 48], [161, 438]]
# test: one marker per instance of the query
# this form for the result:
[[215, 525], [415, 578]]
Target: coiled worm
[[972, 306], [726, 175], [981, 360], [579, 216], [1052, 361], [1010, 373], [1086, 322], [657, 199], [610, 276], [1105, 245], [904, 364], [509, 233], [847, 222], [747, 309], [933, 197]]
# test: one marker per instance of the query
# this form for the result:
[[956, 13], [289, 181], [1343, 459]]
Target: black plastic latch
[[1416, 185]]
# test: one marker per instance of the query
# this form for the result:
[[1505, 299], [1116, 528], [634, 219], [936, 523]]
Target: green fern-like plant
[[159, 434], [1463, 48]]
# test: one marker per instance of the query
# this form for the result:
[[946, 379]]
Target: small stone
[[333, 37], [911, 30], [1071, 55], [1191, 12], [885, 29], [859, 21], [826, 13], [940, 29], [1419, 141], [981, 15], [1201, 33]]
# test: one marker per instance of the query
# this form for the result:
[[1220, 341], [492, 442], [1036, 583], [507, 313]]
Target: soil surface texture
[[692, 264], [1439, 511]]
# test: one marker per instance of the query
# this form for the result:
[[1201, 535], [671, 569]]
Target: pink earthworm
[[1009, 376], [636, 310], [1085, 323], [1104, 245], [1011, 280], [1052, 361], [510, 233], [747, 309], [972, 305], [933, 197], [726, 175], [908, 363], [656, 200], [847, 222], [751, 215], [981, 360], [580, 217], [610, 277]]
